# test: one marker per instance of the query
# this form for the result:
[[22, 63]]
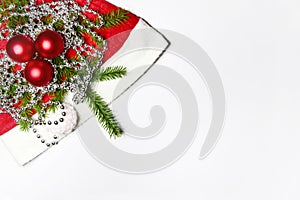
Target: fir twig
[[38, 107], [12, 90], [59, 25], [115, 18], [14, 21], [59, 95], [103, 113], [4, 4], [47, 19], [58, 61], [24, 125], [25, 99], [109, 73]]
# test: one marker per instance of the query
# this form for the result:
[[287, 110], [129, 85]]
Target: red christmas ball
[[20, 48], [49, 44], [38, 72]]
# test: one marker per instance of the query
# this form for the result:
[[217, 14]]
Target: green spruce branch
[[4, 4], [38, 107], [25, 99], [27, 113], [59, 25], [47, 19], [24, 125], [115, 18], [103, 113], [17, 20], [109, 73], [100, 108], [11, 90], [59, 95]]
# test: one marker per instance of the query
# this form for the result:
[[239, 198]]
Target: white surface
[[255, 45]]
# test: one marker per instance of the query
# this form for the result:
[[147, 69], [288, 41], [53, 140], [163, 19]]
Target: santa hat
[[123, 37]]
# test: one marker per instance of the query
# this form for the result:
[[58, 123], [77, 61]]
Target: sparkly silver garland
[[60, 10]]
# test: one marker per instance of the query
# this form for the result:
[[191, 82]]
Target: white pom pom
[[65, 124]]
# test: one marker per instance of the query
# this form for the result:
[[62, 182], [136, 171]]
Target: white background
[[255, 46]]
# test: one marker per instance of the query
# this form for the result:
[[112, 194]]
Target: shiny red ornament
[[49, 44], [20, 48], [38, 72]]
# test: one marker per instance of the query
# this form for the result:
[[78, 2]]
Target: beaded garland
[[88, 59]]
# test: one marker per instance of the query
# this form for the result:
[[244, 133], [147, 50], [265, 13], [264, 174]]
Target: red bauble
[[38, 72], [49, 44], [20, 48]]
